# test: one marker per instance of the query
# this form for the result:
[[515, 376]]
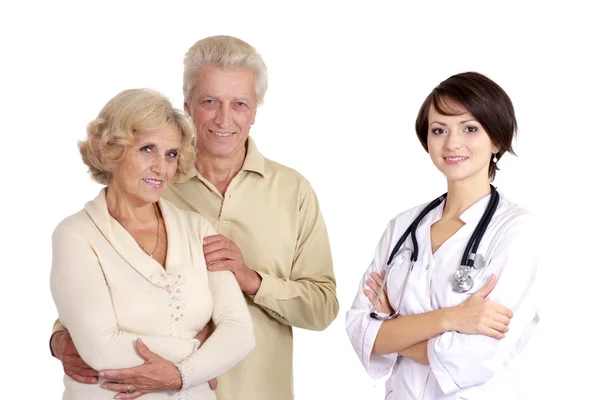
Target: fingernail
[[101, 374]]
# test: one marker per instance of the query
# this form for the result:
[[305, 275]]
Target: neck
[[220, 171], [462, 195], [122, 208]]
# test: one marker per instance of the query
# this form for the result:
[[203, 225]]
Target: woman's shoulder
[[409, 215], [78, 222], [512, 214]]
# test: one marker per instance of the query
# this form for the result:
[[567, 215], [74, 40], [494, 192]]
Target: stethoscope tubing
[[466, 261]]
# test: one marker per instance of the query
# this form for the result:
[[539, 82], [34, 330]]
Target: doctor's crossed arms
[[477, 315]]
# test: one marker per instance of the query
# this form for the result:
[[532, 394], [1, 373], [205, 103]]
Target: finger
[[384, 300], [374, 286], [503, 310], [227, 265], [485, 291], [220, 255], [492, 333], [498, 326], [370, 295], [128, 396], [119, 375], [377, 278], [213, 238], [71, 369], [118, 387], [143, 350], [83, 379], [503, 319], [213, 383], [215, 246]]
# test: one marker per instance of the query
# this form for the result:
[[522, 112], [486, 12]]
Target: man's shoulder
[[284, 174]]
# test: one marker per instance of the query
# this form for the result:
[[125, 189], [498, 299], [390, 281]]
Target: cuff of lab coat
[[442, 375], [377, 366]]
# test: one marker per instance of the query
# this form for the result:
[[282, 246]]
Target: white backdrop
[[346, 82]]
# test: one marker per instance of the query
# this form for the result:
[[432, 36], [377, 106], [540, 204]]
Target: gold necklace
[[157, 234]]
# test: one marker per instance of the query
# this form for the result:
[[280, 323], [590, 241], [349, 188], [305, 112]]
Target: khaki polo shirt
[[271, 212]]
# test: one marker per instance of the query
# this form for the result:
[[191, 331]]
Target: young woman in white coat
[[457, 330]]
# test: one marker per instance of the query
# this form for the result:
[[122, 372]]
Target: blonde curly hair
[[111, 134]]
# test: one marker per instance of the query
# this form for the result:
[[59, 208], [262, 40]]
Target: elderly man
[[271, 233]]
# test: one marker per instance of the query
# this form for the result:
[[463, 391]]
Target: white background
[[346, 82]]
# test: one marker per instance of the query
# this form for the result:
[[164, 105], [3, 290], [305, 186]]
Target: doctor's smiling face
[[463, 123], [458, 144]]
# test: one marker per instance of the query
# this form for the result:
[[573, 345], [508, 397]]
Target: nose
[[159, 165], [453, 141], [224, 116]]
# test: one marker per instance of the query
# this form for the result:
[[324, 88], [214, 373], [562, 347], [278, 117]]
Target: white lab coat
[[462, 366]]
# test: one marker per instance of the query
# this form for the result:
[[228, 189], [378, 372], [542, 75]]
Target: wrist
[[254, 285], [447, 318], [178, 381]]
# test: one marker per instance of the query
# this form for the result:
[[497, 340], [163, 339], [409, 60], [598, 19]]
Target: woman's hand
[[156, 374], [480, 316], [375, 283]]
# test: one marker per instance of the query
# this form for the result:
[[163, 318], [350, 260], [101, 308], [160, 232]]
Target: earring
[[495, 159]]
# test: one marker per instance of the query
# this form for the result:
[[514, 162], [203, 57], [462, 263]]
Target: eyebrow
[[461, 122], [437, 122], [217, 97]]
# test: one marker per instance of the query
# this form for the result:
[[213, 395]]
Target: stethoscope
[[463, 282]]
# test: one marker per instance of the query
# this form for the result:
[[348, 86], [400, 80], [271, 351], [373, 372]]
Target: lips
[[455, 160], [155, 183], [221, 134]]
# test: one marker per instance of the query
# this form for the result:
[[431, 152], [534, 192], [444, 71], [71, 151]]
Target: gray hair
[[223, 51]]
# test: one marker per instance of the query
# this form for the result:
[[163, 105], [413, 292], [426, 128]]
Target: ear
[[495, 149], [253, 117], [186, 107]]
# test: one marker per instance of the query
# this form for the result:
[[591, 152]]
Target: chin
[[150, 197]]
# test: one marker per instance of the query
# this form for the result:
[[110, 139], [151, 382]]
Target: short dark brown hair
[[483, 99]]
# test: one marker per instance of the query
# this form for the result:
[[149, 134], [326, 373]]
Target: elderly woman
[[129, 276]]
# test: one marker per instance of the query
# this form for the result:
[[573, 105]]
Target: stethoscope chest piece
[[478, 261], [463, 282]]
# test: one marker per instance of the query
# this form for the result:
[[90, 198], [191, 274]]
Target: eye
[[239, 105], [437, 131], [146, 149], [172, 154], [471, 129], [209, 104]]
